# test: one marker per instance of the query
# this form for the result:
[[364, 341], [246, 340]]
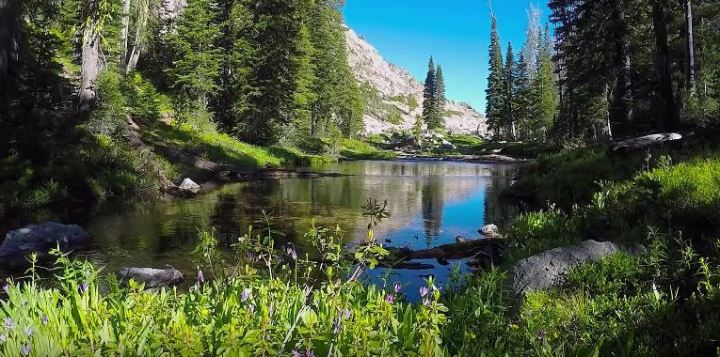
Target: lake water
[[431, 202]]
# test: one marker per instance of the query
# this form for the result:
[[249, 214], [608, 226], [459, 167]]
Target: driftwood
[[643, 142], [482, 252]]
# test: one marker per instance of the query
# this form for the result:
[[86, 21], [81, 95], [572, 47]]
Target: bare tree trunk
[[124, 35], [9, 40], [90, 68], [667, 108], [139, 45], [690, 42], [620, 102]]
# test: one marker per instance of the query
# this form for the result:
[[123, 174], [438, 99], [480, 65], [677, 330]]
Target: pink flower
[[389, 298], [424, 291], [397, 287]]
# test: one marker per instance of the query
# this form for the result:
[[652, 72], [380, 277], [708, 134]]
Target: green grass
[[354, 149]]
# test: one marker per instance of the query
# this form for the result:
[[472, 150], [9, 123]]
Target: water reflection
[[431, 203]]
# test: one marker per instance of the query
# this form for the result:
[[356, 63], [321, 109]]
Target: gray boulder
[[643, 142], [153, 278], [189, 186], [544, 270], [41, 238]]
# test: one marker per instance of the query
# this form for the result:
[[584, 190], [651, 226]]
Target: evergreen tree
[[543, 105], [195, 67], [508, 120], [494, 93], [304, 97], [521, 98], [429, 106], [436, 119]]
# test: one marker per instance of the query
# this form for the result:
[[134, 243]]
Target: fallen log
[[483, 251]]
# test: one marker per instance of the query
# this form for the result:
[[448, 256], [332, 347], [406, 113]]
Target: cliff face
[[394, 98]]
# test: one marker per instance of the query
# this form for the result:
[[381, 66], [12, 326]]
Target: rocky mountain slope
[[394, 98]]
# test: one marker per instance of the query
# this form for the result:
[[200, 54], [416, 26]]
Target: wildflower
[[6, 288], [25, 350], [44, 319], [309, 353], [201, 277], [83, 288], [3, 338], [346, 314], [292, 253], [397, 287], [427, 302], [541, 335], [245, 295], [251, 307], [424, 291], [295, 353], [389, 298], [9, 323]]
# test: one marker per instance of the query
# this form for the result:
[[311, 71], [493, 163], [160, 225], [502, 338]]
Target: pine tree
[[195, 67], [494, 93], [429, 106], [304, 97], [521, 98], [544, 92], [508, 121], [436, 120]]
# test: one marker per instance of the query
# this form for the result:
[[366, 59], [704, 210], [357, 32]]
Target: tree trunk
[[621, 99], [90, 68], [690, 42], [139, 45], [668, 116], [124, 33], [9, 41]]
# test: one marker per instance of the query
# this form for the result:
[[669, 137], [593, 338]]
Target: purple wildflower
[[6, 288], [44, 319], [309, 353], [25, 350], [9, 323], [541, 335], [292, 253], [397, 287], [29, 331], [201, 277], [424, 291], [3, 338], [346, 314], [295, 353], [245, 295], [83, 288], [389, 298], [427, 302]]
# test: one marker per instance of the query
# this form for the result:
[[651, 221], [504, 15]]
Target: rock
[[643, 142], [460, 239], [490, 231], [446, 145], [547, 269], [188, 186], [41, 238], [153, 278]]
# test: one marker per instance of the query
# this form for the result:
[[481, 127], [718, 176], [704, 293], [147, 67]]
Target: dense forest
[[75, 73], [612, 70]]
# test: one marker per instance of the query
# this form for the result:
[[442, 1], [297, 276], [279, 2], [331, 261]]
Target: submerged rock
[[153, 278], [544, 270], [41, 238], [189, 186]]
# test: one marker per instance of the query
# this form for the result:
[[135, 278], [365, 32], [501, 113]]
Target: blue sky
[[455, 32]]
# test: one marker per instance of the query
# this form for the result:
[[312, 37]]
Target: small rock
[[460, 239], [544, 270], [153, 278], [189, 186], [490, 231], [41, 238]]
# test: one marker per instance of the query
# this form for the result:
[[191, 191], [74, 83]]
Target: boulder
[[490, 231], [544, 270], [189, 186], [41, 238], [153, 278], [643, 142]]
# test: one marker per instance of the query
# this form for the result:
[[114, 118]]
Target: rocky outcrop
[[490, 231], [400, 93], [544, 270], [41, 238], [152, 278]]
